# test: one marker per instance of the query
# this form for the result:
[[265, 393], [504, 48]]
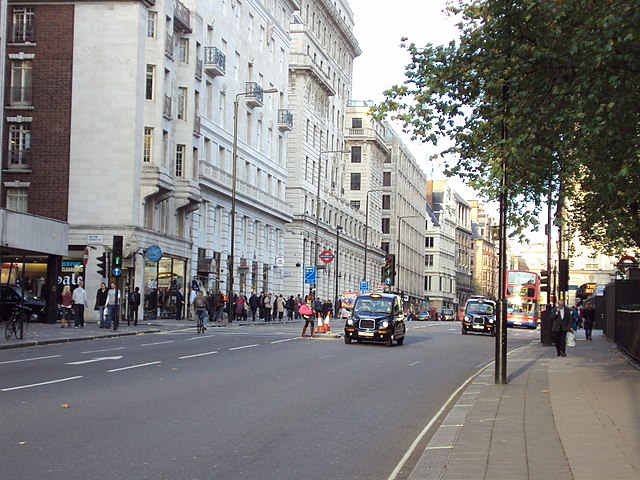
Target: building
[[484, 252]]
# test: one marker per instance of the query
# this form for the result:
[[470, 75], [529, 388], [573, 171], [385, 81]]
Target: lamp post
[[397, 276], [234, 178], [336, 305], [366, 229], [317, 252]]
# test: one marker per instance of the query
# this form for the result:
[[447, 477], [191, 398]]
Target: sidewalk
[[574, 417], [45, 333]]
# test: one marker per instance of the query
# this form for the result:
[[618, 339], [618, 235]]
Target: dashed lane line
[[28, 359], [133, 366], [197, 355], [40, 384]]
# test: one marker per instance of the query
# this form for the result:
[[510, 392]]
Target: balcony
[[166, 109], [181, 17], [214, 61], [285, 120], [198, 69], [305, 63], [254, 94]]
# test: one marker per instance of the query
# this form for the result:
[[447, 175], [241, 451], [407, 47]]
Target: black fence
[[621, 316], [628, 332]]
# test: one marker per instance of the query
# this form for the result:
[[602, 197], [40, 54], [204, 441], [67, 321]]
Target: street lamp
[[336, 305], [397, 275], [366, 229], [315, 259], [234, 177]]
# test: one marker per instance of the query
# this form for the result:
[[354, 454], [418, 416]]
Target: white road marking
[[414, 364], [28, 359], [93, 360], [40, 384], [285, 340], [200, 337], [104, 350], [246, 346], [133, 366], [197, 355], [156, 343]]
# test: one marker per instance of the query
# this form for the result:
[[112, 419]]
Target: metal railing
[[254, 92], [166, 109], [182, 14], [627, 332], [285, 117], [198, 68], [169, 45], [213, 56]]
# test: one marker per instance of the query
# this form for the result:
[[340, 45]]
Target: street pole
[[234, 182], [337, 258], [501, 324]]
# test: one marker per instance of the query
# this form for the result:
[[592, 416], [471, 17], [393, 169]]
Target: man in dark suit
[[560, 325]]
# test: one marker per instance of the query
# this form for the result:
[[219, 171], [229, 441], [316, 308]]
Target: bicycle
[[17, 324], [200, 313]]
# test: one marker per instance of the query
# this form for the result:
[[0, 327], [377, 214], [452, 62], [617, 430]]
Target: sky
[[382, 63]]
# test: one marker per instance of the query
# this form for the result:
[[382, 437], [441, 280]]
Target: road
[[234, 403]]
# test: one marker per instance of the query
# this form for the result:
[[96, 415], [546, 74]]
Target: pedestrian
[[268, 305], [79, 303], [179, 303], [589, 320], [101, 301], [290, 305], [134, 304], [219, 300], [254, 303], [575, 316], [306, 310], [192, 296], [240, 306], [299, 303], [113, 302], [278, 307], [560, 325], [66, 298]]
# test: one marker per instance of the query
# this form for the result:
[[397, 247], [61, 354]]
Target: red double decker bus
[[523, 299]]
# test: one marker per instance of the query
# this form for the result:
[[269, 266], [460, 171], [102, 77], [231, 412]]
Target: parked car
[[376, 317], [479, 316], [12, 296], [448, 315]]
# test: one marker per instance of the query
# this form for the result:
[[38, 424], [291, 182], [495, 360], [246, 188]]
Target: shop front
[[164, 281]]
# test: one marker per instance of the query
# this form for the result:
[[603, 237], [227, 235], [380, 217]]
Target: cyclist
[[200, 307]]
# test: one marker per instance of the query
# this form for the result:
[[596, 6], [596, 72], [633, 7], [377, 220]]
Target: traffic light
[[389, 269], [563, 275], [116, 264], [544, 281], [102, 265]]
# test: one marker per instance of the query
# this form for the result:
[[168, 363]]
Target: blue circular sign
[[153, 253]]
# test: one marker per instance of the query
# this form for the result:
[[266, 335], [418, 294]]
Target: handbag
[[305, 310]]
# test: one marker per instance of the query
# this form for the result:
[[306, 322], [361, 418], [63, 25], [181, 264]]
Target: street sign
[[310, 275], [116, 272], [388, 281], [326, 256], [153, 253], [364, 286]]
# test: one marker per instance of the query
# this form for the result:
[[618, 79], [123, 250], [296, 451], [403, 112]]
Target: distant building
[[484, 259]]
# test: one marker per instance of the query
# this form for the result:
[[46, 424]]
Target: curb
[[36, 343]]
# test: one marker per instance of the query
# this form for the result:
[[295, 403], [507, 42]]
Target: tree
[[563, 78]]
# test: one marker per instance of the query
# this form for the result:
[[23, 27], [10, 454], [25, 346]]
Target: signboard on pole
[[326, 256], [310, 275]]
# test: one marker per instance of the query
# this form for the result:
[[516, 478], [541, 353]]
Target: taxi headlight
[[491, 320], [385, 324], [467, 318], [350, 321]]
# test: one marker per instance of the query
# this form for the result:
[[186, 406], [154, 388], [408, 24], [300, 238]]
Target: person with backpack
[[200, 309], [134, 303]]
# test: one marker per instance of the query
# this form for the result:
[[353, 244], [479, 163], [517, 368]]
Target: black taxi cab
[[376, 317], [479, 316]]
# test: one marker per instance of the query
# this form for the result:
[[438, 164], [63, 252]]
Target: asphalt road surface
[[234, 403]]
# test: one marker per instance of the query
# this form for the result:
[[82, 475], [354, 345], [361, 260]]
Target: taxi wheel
[[347, 340], [400, 341], [389, 342], [464, 332]]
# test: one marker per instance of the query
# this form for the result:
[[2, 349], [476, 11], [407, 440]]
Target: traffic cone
[[327, 325], [320, 328]]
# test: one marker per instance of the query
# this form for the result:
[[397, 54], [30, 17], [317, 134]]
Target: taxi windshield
[[373, 305], [485, 308]]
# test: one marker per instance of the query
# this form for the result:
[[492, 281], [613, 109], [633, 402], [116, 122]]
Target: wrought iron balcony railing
[[285, 120], [214, 61]]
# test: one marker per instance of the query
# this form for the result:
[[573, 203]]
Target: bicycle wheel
[[199, 324], [8, 329]]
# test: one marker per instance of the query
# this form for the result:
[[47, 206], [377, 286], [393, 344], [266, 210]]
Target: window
[[149, 82], [386, 202], [21, 82], [182, 103], [386, 224], [386, 179], [23, 25], [17, 199], [428, 260], [19, 145], [428, 242], [356, 123], [183, 50], [355, 204], [147, 147], [152, 22], [355, 181], [427, 282], [356, 154], [180, 151]]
